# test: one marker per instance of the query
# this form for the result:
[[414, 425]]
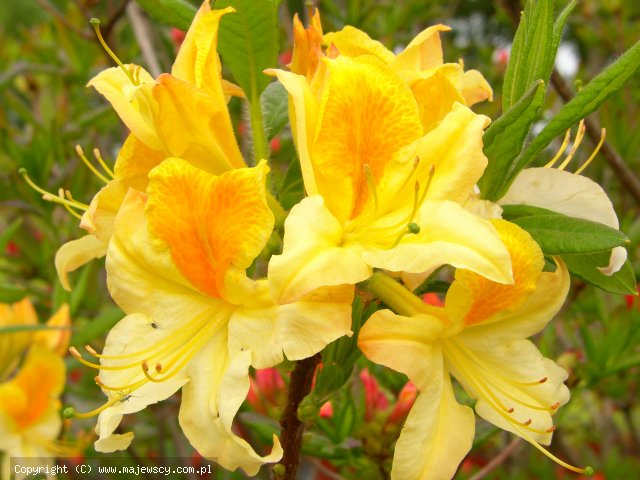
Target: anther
[[103, 164], [527, 423], [74, 352], [551, 429], [158, 367], [89, 349], [543, 380], [93, 169], [96, 26], [555, 406], [511, 410], [413, 228]]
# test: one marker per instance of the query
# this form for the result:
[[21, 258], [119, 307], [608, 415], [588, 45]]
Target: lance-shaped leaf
[[503, 140], [177, 13], [274, 101], [560, 234], [585, 267]]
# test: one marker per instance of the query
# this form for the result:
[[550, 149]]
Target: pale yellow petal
[[297, 330], [441, 241], [562, 192], [423, 52], [303, 110], [313, 255], [133, 103], [475, 88], [98, 220], [616, 261], [76, 253], [437, 434], [517, 388], [219, 382], [408, 345], [352, 42]]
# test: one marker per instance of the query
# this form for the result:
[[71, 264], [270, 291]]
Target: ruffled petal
[[219, 382], [517, 388], [313, 255], [76, 253], [134, 104], [437, 434], [195, 126], [213, 226], [423, 52], [98, 220], [134, 162], [441, 241], [352, 42], [406, 344], [475, 88], [297, 330]]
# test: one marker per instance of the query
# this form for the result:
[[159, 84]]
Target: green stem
[[279, 212], [260, 145], [396, 296]]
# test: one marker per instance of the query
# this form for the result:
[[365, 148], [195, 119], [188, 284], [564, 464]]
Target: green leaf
[[275, 107], [248, 43], [8, 233], [29, 328], [11, 293], [532, 53], [560, 234], [585, 102], [177, 13], [503, 140], [292, 190], [585, 267]]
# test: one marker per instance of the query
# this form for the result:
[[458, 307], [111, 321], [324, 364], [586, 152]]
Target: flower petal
[[219, 382], [98, 220], [367, 115], [562, 192], [134, 162], [352, 42], [195, 126], [475, 88], [517, 388], [211, 225], [616, 261], [406, 344], [133, 103], [76, 253], [299, 329], [423, 52], [441, 241], [437, 434], [312, 255]]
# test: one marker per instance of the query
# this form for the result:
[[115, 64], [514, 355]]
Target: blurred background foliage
[[48, 52]]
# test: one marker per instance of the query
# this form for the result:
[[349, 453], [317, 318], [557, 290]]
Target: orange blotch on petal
[[210, 223], [490, 297]]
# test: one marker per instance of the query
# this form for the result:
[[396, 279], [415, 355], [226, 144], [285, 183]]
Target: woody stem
[[292, 427]]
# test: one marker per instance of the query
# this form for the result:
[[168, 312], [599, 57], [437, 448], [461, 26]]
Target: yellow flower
[[29, 407], [436, 85], [182, 114], [479, 337], [32, 376], [14, 344], [176, 265], [382, 193]]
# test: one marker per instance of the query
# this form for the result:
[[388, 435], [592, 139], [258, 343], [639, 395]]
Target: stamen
[[555, 406], [576, 144], [416, 162], [67, 207], [103, 164], [603, 134], [368, 174], [93, 169], [563, 147], [50, 197], [70, 412], [95, 22]]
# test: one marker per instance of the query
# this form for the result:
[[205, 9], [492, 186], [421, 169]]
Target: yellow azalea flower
[[176, 265], [182, 114], [29, 408], [436, 86], [14, 344], [382, 193], [568, 193], [479, 337]]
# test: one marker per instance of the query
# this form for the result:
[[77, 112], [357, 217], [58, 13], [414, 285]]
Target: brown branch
[[498, 459], [111, 22], [292, 427]]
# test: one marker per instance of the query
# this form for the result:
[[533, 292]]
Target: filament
[[93, 169], [50, 197], [103, 164], [576, 144], [563, 147], [95, 22], [603, 134]]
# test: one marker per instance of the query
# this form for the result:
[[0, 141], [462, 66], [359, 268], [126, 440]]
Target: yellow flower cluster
[[390, 154]]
